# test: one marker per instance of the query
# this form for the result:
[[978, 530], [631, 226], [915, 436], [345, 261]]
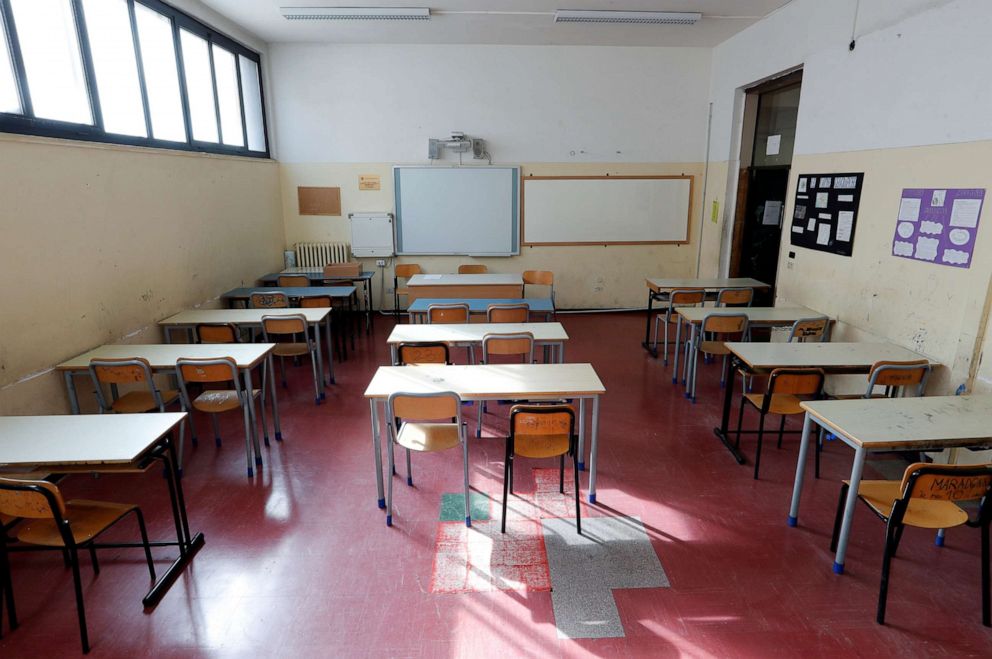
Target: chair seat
[[291, 349], [428, 437], [714, 348], [142, 401], [215, 401], [784, 404], [922, 513], [87, 519], [541, 446]]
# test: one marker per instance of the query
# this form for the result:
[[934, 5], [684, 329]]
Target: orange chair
[[518, 344], [217, 333], [293, 281], [455, 312], [472, 269], [507, 313], [402, 271], [268, 300], [720, 327], [292, 327], [51, 522], [540, 278], [678, 298], [926, 498], [735, 297], [422, 353]]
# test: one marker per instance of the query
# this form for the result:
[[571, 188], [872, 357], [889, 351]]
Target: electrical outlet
[[381, 263]]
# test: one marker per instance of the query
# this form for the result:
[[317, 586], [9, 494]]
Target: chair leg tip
[[838, 568], [592, 498], [382, 504], [265, 439], [258, 461], [278, 436], [793, 521], [217, 442], [251, 472], [409, 481], [389, 520], [939, 541], [468, 521]]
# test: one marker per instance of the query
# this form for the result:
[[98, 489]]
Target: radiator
[[317, 255]]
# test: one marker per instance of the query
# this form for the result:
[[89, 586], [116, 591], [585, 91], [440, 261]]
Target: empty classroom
[[492, 328]]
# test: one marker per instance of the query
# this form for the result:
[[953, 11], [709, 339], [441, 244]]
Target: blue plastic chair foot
[[394, 471], [693, 399], [838, 568], [409, 481], [194, 441], [468, 522], [582, 466], [675, 380], [592, 498], [939, 541], [217, 441], [723, 384], [278, 436], [179, 472], [389, 520], [333, 381], [265, 439], [382, 504], [831, 437], [316, 400], [251, 472], [323, 395], [258, 460], [793, 521], [470, 403]]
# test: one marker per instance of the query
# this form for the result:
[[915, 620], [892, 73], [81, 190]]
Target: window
[[130, 72]]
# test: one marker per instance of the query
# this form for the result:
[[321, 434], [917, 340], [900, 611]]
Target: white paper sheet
[[822, 199], [823, 235], [937, 200], [845, 198], [802, 184], [825, 216], [774, 145], [909, 209], [845, 225], [825, 182], [965, 212], [773, 213], [926, 249], [845, 182], [811, 225]]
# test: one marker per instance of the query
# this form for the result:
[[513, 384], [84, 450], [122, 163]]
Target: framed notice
[[938, 225], [825, 214]]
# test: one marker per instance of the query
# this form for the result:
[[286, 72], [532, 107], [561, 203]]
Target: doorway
[[767, 139]]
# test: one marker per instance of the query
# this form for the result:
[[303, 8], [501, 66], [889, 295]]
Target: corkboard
[[319, 201]]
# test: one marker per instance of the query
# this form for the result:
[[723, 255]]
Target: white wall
[[380, 103]]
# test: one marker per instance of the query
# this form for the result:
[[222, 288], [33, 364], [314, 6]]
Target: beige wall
[[934, 309], [100, 242], [585, 277]]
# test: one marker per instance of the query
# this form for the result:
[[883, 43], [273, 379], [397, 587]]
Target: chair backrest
[[30, 499], [422, 353], [293, 281], [740, 297], [796, 381], [724, 323], [946, 482], [542, 431], [508, 313], [424, 407], [121, 371], [521, 343], [472, 269], [268, 300], [406, 270], [217, 333], [456, 312], [282, 325], [316, 302], [342, 270], [809, 329], [539, 277], [220, 369], [898, 375], [684, 297]]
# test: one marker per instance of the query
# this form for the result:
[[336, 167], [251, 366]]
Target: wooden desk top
[[828, 356], [489, 381], [756, 315], [480, 305], [658, 284], [164, 355], [299, 291], [241, 316], [473, 332], [466, 280], [81, 439], [909, 423]]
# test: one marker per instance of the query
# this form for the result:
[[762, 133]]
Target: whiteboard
[[457, 210], [606, 210]]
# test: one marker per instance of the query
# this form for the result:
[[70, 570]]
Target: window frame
[[28, 124]]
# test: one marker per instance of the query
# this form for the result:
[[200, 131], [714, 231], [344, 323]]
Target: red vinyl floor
[[298, 562]]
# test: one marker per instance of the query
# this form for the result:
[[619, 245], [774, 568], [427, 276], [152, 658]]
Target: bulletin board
[[825, 214], [938, 225]]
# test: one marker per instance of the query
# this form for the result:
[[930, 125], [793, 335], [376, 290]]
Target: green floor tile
[[453, 507]]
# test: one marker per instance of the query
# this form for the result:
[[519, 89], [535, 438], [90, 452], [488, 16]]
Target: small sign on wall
[[938, 225], [826, 211], [369, 182]]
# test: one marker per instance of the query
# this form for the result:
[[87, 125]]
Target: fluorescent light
[[356, 13], [608, 16]]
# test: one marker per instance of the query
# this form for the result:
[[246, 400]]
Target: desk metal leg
[[647, 327], [582, 434], [593, 449], [797, 487], [722, 432], [253, 417], [271, 368], [676, 349], [368, 306], [70, 387], [377, 450], [852, 501], [393, 355], [330, 350], [320, 361]]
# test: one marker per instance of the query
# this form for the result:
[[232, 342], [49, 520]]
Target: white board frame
[[523, 208]]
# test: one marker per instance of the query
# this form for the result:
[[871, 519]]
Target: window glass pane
[[108, 26], [158, 60], [46, 31], [252, 93], [227, 96], [9, 100], [199, 86]]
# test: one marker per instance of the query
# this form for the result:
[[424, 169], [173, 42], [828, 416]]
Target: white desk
[[188, 320], [493, 382], [162, 358], [890, 424], [105, 443], [465, 286], [471, 334]]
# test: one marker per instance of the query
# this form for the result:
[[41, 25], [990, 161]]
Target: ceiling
[[516, 22]]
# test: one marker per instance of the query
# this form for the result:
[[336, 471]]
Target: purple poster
[[938, 225]]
